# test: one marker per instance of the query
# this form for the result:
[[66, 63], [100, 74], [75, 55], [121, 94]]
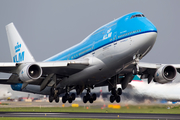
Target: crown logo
[[17, 47], [109, 30]]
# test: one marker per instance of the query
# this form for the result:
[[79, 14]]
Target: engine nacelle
[[165, 74], [30, 72]]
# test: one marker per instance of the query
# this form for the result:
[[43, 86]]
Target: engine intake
[[165, 74], [30, 72]]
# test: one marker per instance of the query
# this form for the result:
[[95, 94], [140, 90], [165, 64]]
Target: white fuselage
[[107, 61]]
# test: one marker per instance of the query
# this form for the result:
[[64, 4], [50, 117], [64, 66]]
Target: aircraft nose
[[151, 27]]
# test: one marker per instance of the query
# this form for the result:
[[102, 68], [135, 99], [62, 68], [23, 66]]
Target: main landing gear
[[54, 92], [115, 95], [68, 98], [54, 95], [89, 97]]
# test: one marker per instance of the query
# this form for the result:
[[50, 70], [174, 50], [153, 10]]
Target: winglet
[[19, 51]]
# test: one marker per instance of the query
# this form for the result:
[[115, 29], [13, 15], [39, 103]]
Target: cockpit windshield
[[137, 15]]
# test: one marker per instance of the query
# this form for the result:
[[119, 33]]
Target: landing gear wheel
[[64, 99], [88, 96], [91, 100], [57, 99], [94, 96], [112, 98], [70, 100], [118, 99], [66, 96], [51, 98], [85, 99], [73, 96], [119, 90]]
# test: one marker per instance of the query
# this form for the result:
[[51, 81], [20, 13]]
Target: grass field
[[168, 109]]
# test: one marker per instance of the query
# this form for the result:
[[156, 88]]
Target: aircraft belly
[[85, 77]]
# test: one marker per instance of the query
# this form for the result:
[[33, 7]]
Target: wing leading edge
[[161, 73], [60, 68]]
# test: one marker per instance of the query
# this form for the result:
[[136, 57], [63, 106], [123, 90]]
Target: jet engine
[[30, 72], [165, 74]]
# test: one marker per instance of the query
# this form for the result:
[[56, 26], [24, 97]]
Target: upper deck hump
[[128, 25]]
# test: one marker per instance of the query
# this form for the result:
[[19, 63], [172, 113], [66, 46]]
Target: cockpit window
[[137, 15]]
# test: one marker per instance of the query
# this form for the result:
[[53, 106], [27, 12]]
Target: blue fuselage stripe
[[116, 30]]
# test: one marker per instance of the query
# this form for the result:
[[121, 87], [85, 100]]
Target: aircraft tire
[[85, 99], [67, 96], [119, 91], [51, 98], [73, 96], [91, 100], [112, 98], [70, 100], [57, 99], [118, 99], [94, 96], [88, 96], [64, 99]]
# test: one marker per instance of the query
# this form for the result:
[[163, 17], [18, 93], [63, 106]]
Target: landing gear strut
[[54, 95], [54, 92], [89, 97]]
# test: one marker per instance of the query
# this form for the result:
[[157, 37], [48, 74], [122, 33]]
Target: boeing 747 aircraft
[[107, 57]]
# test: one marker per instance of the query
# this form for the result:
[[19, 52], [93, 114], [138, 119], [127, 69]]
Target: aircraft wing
[[7, 67], [147, 67], [60, 68], [64, 68], [161, 73]]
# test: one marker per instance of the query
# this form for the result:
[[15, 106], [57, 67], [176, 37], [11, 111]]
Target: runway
[[91, 115]]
